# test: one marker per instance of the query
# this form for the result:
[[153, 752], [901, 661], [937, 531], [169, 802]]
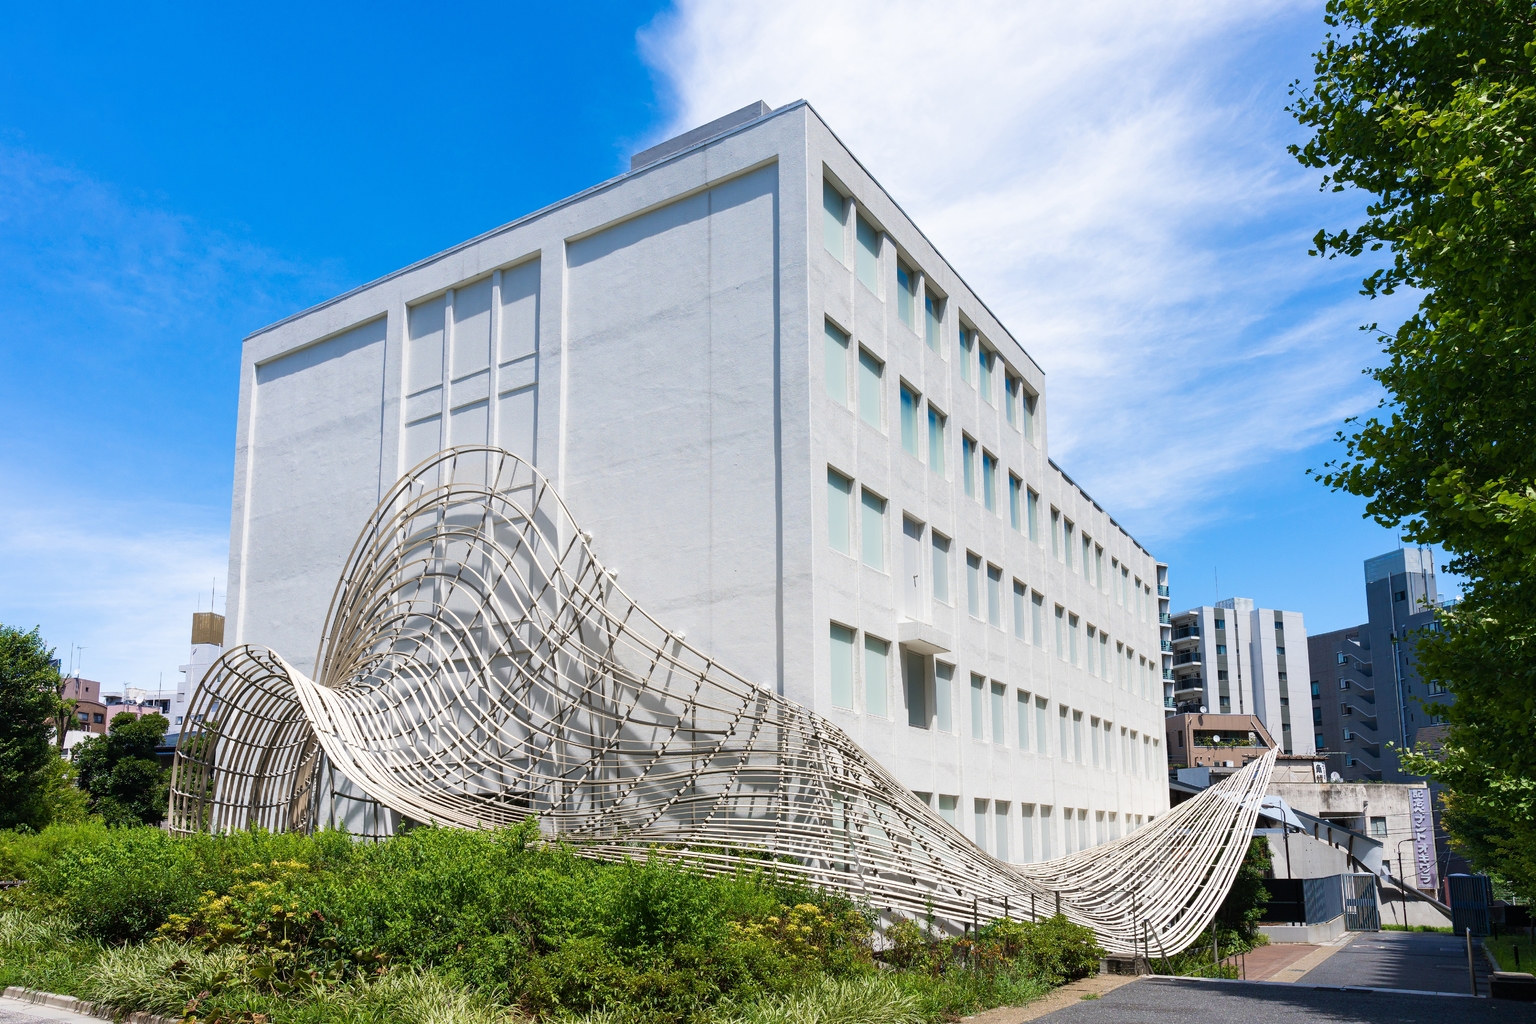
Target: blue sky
[[1110, 176]]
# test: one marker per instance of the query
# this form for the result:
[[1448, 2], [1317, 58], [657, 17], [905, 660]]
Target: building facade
[[1367, 691], [1234, 658], [793, 431]]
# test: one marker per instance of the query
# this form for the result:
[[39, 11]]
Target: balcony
[[1167, 675], [1168, 646], [1186, 632], [1190, 657], [1162, 590], [1165, 618], [1170, 703]]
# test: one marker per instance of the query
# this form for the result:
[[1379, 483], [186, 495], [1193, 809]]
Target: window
[[1109, 747], [1000, 813], [1011, 398], [932, 306], [985, 360], [1020, 601], [872, 530], [1098, 754], [837, 365], [1280, 651], [909, 430], [1221, 649], [1093, 635], [834, 216], [917, 690], [967, 352], [968, 464], [871, 370], [1032, 506], [1021, 710], [876, 676], [1344, 709], [947, 805], [1124, 578], [1014, 516], [999, 721], [1379, 827], [1348, 735], [839, 491], [1221, 623], [1316, 690], [1068, 539], [906, 295], [1045, 832], [973, 584], [935, 440], [1042, 729], [842, 666], [1400, 595], [1065, 747], [1318, 742], [978, 697], [1061, 633], [981, 824], [989, 481], [1087, 565], [1078, 753], [1098, 569], [1029, 417], [994, 596], [1104, 669], [1055, 534], [940, 567], [1027, 827], [943, 678], [867, 255], [1036, 614], [1343, 683], [1072, 637]]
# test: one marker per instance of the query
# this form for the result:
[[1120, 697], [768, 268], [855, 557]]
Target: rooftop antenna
[[1216, 574]]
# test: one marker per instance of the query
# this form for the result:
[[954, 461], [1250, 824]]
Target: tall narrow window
[[981, 825], [943, 681], [837, 365], [1068, 541], [940, 567], [1055, 534], [999, 718], [842, 666], [1072, 628], [1098, 569], [876, 675], [985, 359], [1061, 633], [967, 352], [872, 531], [867, 255], [995, 596], [1015, 514], [947, 805], [1064, 749], [916, 679], [1032, 504], [1042, 726], [1046, 853], [1027, 839], [1011, 398], [1098, 754], [1001, 829], [935, 440], [1020, 602], [906, 298], [989, 481], [973, 584], [1029, 417], [978, 699], [834, 217], [1087, 558], [1077, 738], [909, 431], [931, 313], [1104, 669], [1021, 711], [1093, 634], [1036, 618], [839, 517], [871, 372], [968, 464]]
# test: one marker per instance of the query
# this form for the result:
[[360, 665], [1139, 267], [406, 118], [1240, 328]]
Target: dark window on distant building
[[1401, 595]]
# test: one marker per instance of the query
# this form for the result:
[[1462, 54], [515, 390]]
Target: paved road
[[1168, 1001], [1424, 961]]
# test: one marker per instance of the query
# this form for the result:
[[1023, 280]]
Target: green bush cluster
[[249, 922]]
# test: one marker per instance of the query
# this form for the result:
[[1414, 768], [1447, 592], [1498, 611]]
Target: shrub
[[160, 977], [118, 885]]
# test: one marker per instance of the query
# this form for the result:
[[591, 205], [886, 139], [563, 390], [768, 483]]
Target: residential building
[[1236, 658], [1221, 742], [90, 711], [1367, 692], [792, 429]]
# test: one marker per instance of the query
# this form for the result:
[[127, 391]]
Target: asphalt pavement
[[1187, 1001], [1422, 961]]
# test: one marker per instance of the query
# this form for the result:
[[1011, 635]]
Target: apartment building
[[1367, 691], [1231, 658], [796, 434]]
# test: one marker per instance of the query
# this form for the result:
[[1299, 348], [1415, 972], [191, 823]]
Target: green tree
[[1243, 908], [125, 782], [1429, 106], [28, 699]]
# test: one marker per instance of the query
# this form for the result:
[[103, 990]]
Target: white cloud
[[120, 580], [1111, 178]]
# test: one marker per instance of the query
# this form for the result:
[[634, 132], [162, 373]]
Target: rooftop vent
[[750, 112]]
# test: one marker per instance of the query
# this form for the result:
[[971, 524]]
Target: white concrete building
[[1236, 658], [793, 430]]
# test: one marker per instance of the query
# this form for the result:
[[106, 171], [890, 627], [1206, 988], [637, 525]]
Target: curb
[[82, 1006]]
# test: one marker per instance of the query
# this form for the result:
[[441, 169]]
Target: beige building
[[1215, 741]]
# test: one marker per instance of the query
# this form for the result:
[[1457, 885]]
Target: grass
[[1503, 949], [1415, 928]]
